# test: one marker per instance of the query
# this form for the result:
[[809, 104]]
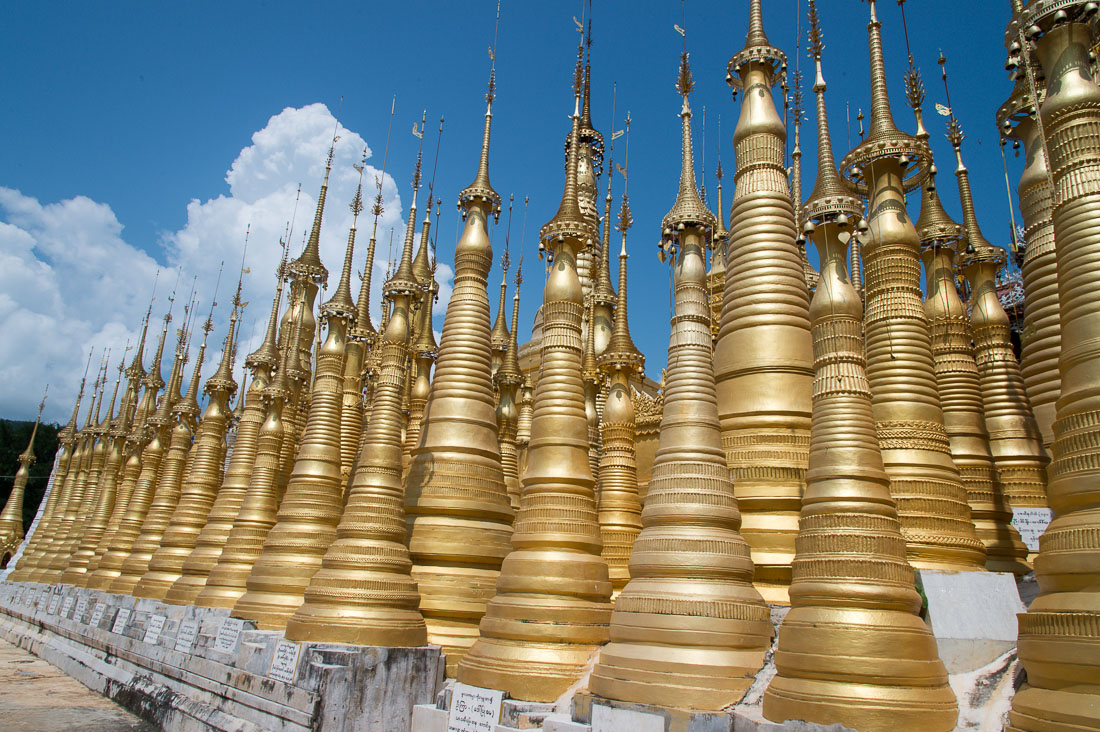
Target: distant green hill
[[14, 436]]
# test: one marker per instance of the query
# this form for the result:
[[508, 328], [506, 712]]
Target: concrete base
[[228, 686], [972, 615], [212, 686]]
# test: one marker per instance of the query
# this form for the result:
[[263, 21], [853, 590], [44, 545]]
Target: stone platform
[[184, 668], [984, 688]]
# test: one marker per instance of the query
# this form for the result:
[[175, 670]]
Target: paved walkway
[[36, 697]]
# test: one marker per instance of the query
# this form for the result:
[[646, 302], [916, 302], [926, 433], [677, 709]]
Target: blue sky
[[144, 107]]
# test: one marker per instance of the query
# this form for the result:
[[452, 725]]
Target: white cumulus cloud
[[69, 281]]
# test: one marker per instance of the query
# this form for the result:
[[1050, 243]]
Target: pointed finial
[[884, 139], [109, 423], [403, 278], [27, 457], [756, 35], [757, 50], [498, 334], [481, 190], [589, 137], [308, 264], [363, 328], [689, 209], [136, 372], [279, 387], [505, 259], [621, 351], [569, 221], [223, 377], [422, 267], [626, 218], [340, 304], [68, 432], [830, 198], [720, 231], [914, 86], [267, 354], [977, 242]]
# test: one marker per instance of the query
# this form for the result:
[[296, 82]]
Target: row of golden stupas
[[818, 434]]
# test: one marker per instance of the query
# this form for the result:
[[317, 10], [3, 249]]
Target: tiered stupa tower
[[363, 593], [1060, 633], [236, 479], [227, 579], [1015, 439], [36, 547], [552, 601], [689, 629], [135, 439], [423, 350], [121, 541], [460, 514], [509, 381], [960, 388], [204, 477], [853, 649], [310, 510], [92, 455], [116, 483], [11, 518], [113, 439], [763, 361], [174, 468], [620, 507], [1041, 336], [931, 500]]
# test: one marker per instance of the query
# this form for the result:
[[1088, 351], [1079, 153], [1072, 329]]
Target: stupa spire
[[765, 300], [509, 380], [480, 188], [212, 540], [136, 371], [223, 376], [689, 566], [689, 209], [756, 38], [267, 355], [925, 482], [884, 139], [543, 624], [340, 304], [308, 264], [199, 485], [830, 197], [312, 502], [499, 336], [959, 386], [404, 276], [459, 511], [852, 586], [620, 507], [11, 518], [169, 483], [602, 293], [341, 602]]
